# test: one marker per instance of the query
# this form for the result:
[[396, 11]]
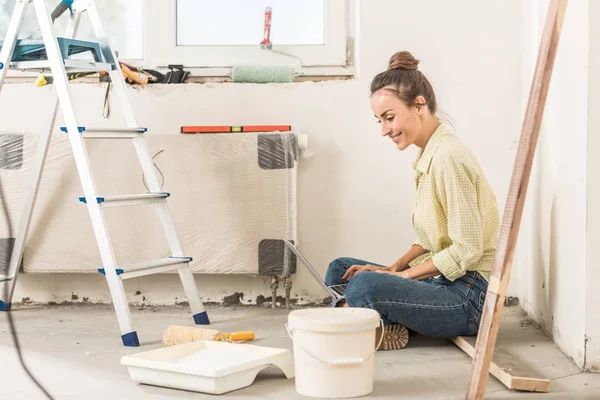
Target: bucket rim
[[334, 320]]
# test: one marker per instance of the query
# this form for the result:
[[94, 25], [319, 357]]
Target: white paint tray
[[206, 366]]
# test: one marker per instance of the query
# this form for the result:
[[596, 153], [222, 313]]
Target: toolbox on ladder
[[35, 50]]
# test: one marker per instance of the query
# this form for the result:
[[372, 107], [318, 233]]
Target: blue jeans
[[433, 307]]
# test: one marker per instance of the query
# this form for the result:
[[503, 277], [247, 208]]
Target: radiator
[[233, 198]]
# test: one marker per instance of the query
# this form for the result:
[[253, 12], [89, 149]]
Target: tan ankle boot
[[395, 337]]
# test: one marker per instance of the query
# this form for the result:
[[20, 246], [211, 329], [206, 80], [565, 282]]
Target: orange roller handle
[[240, 336]]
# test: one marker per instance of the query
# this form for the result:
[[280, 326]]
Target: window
[[208, 36], [224, 33], [240, 22]]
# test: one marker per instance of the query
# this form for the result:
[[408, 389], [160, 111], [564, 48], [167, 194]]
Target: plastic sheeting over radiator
[[233, 198]]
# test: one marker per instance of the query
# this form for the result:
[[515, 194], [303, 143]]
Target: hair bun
[[403, 60]]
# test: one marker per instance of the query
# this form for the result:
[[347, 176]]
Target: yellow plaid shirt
[[455, 215]]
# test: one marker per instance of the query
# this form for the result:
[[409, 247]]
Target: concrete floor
[[75, 352]]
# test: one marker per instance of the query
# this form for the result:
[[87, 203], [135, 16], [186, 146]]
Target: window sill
[[206, 75]]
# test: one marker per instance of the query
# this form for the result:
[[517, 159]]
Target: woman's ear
[[420, 104]]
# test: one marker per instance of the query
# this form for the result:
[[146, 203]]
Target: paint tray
[[206, 366]]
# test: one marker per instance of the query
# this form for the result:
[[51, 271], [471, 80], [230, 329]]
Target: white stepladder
[[57, 59]]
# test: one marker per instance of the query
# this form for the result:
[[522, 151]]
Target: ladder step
[[154, 267], [129, 199], [4, 278], [108, 133]]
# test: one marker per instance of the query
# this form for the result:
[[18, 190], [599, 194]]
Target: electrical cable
[[158, 169], [11, 322], [60, 9], [106, 109]]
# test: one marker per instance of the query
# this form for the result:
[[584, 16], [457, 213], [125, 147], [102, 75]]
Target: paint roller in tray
[[175, 335], [268, 73]]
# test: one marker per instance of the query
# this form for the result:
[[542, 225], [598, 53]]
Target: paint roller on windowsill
[[268, 73]]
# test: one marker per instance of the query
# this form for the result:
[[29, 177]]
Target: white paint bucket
[[333, 351]]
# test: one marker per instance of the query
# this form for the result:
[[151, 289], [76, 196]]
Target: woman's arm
[[419, 272], [402, 263], [456, 189], [457, 194]]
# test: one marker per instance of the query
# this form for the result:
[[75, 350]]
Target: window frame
[[160, 49], [335, 58]]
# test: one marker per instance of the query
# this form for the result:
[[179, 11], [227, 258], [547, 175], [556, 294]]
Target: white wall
[[550, 263], [355, 191], [592, 329]]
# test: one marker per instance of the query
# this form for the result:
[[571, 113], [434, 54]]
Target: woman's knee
[[362, 288], [336, 270]]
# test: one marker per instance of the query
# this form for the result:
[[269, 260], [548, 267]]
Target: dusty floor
[[75, 352]]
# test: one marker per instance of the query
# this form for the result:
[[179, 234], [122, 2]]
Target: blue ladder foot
[[131, 339], [201, 318], [5, 306]]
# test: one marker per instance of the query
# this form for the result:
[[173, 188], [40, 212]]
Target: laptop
[[337, 291]]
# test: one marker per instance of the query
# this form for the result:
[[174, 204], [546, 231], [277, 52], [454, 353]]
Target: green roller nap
[[34, 50], [258, 74]]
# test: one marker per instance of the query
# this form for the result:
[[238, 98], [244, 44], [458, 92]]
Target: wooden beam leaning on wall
[[507, 238]]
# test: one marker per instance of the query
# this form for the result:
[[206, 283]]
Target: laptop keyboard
[[339, 289]]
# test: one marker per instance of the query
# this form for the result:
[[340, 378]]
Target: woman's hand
[[356, 269]]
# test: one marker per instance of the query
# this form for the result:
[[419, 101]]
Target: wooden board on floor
[[507, 369]]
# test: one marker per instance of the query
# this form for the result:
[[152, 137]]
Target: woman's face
[[400, 122]]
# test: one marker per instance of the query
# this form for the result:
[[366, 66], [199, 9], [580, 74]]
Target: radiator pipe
[[288, 291], [274, 286]]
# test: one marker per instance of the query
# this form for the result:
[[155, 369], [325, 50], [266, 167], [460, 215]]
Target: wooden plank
[[490, 321], [508, 369]]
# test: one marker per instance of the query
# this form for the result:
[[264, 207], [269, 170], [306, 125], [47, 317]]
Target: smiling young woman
[[438, 286]]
